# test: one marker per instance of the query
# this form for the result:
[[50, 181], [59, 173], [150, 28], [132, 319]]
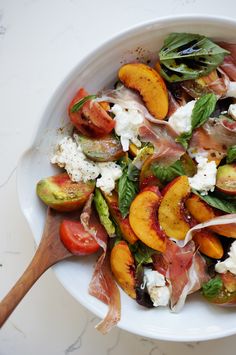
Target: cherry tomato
[[76, 239], [91, 119]]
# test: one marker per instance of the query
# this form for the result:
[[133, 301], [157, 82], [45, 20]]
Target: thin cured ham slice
[[185, 270], [229, 63], [102, 285], [166, 150]]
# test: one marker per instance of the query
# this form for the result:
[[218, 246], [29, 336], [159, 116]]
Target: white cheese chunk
[[228, 264], [70, 156], [127, 124], [110, 172], [232, 111], [156, 285], [205, 178], [180, 121], [231, 91]]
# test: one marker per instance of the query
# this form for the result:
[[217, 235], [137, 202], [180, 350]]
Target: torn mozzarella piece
[[228, 264], [181, 119], [232, 111], [205, 178], [127, 124], [156, 285], [69, 155]]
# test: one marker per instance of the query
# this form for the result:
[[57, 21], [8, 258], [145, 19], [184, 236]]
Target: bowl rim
[[128, 31]]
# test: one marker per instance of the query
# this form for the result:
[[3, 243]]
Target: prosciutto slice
[[216, 136], [102, 285], [166, 150], [229, 63], [185, 270]]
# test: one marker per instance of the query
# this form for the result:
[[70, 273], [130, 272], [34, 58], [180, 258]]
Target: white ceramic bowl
[[198, 320]]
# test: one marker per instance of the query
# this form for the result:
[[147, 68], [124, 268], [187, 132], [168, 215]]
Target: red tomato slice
[[91, 120], [76, 239]]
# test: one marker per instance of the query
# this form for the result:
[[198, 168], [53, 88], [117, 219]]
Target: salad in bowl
[[148, 178]]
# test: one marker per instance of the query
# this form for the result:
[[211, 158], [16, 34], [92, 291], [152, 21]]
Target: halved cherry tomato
[[91, 120], [76, 239]]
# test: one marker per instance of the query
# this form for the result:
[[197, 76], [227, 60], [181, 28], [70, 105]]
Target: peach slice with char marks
[[171, 214], [123, 223], [62, 194], [122, 266], [202, 212], [143, 218], [149, 84], [209, 244]]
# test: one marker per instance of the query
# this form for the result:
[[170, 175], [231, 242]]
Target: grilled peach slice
[[150, 86], [62, 194], [143, 218], [202, 212], [122, 266], [103, 149], [147, 178], [226, 179], [123, 223], [171, 214], [209, 244]]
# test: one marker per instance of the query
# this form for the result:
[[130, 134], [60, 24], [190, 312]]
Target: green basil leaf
[[231, 154], [212, 288], [77, 106], [184, 138], [133, 172], [202, 110], [228, 206], [186, 56], [168, 173], [127, 190], [142, 253], [103, 213]]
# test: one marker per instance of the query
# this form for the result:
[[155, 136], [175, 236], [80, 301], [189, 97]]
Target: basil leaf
[[133, 172], [77, 106], [202, 110], [212, 288], [127, 189], [184, 138], [168, 173], [186, 56], [103, 213], [142, 253], [231, 154], [228, 206]]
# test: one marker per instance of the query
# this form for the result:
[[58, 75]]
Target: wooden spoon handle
[[22, 286], [49, 252]]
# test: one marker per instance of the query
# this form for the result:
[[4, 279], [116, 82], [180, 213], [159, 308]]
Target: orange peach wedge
[[209, 244], [143, 218], [122, 266], [171, 214], [202, 212]]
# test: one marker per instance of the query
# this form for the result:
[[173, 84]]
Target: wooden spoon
[[49, 252]]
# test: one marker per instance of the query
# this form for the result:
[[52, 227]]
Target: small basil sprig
[[77, 106], [231, 154], [202, 110], [142, 253], [168, 173], [212, 288], [127, 189], [228, 206]]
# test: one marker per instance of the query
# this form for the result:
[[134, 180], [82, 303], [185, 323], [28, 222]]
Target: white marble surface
[[40, 41]]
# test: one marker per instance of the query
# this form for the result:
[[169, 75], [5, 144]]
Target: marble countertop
[[40, 42]]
